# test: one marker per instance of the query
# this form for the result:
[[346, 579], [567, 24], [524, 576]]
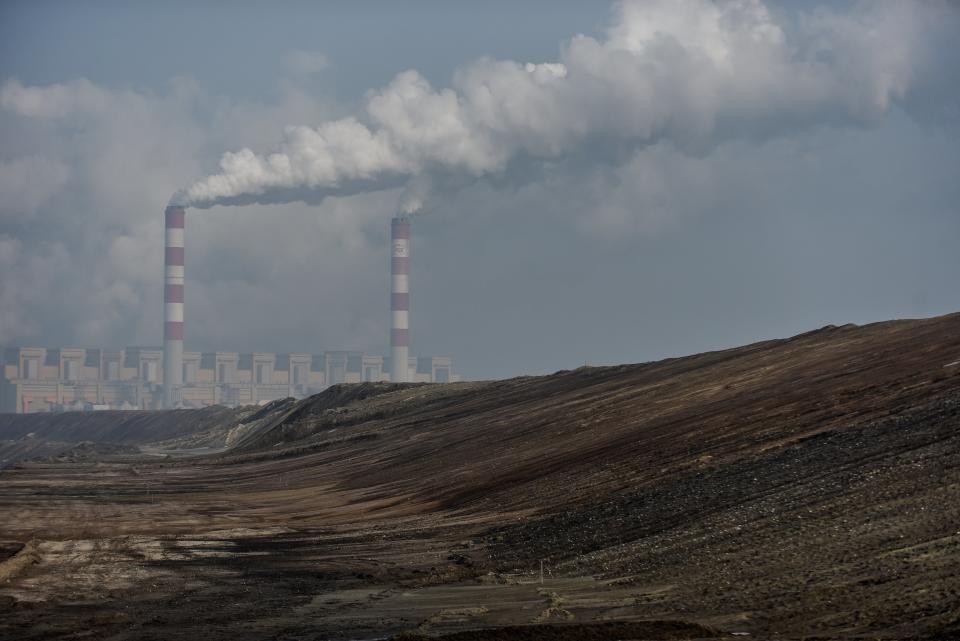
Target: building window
[[223, 373], [113, 371], [70, 370], [31, 368], [442, 375], [263, 373]]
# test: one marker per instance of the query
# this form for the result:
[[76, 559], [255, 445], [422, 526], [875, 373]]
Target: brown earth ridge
[[797, 488]]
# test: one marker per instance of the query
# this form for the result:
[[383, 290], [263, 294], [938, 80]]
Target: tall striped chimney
[[173, 306], [399, 299]]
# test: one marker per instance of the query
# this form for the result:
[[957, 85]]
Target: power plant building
[[37, 379]]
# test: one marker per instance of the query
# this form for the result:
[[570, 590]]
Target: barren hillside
[[807, 486]]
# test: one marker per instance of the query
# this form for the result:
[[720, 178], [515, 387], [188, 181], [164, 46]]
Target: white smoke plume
[[415, 194], [676, 70]]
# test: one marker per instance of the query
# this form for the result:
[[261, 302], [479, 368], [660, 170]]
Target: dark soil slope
[[112, 426], [800, 487], [25, 436]]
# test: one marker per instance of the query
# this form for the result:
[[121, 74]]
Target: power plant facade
[[38, 379]]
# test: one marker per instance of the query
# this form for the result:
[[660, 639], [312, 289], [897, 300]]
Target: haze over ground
[[756, 214]]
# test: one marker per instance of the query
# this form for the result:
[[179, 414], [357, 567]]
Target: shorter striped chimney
[[399, 299], [173, 306]]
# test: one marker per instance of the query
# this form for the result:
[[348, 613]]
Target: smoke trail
[[691, 72]]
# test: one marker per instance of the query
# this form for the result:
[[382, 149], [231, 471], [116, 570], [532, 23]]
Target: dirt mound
[[127, 427], [24, 436], [90, 451], [340, 405], [344, 394], [807, 487]]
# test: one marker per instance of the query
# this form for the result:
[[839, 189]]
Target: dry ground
[[803, 487]]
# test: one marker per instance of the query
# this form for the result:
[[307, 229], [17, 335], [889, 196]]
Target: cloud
[[28, 276], [306, 62], [85, 172], [693, 72], [29, 182], [610, 149], [77, 97]]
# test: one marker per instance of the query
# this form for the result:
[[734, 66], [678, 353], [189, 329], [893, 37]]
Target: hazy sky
[[664, 178]]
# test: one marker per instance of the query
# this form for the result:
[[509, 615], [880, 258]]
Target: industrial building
[[37, 379]]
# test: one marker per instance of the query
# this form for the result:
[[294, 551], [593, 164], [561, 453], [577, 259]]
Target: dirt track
[[809, 486]]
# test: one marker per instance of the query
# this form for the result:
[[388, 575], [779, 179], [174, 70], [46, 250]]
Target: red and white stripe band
[[400, 301], [173, 256], [173, 331], [400, 228], [400, 265], [173, 293], [175, 217]]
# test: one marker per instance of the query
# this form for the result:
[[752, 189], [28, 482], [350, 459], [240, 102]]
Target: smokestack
[[173, 274], [399, 298]]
